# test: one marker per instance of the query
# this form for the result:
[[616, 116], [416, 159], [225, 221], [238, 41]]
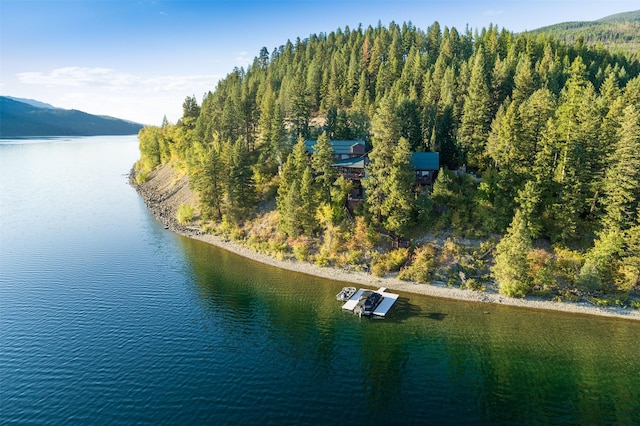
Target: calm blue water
[[105, 317]]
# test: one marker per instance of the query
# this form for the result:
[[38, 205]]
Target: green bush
[[184, 215], [301, 252], [278, 248], [352, 257], [378, 267], [567, 263], [384, 263], [541, 268], [322, 258], [422, 265], [453, 280], [141, 177], [473, 284]]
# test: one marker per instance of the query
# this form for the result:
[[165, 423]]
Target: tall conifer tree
[[476, 118], [322, 161]]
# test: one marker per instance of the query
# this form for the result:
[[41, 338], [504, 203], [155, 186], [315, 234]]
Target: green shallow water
[[105, 317]]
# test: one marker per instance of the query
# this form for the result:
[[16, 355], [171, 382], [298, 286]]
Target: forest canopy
[[538, 140]]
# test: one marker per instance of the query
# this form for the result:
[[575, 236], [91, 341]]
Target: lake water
[[106, 317]]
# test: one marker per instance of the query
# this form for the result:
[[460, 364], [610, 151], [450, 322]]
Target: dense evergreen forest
[[539, 146]]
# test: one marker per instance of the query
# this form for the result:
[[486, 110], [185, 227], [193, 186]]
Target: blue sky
[[138, 60]]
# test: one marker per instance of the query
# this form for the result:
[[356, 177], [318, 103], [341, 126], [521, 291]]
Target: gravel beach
[[163, 192]]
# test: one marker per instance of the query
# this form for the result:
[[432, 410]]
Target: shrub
[[322, 258], [384, 263], [422, 265], [541, 270], [453, 279], [184, 214], [141, 177], [473, 284], [278, 248], [568, 263], [236, 234], [301, 249], [363, 236], [600, 265], [379, 269], [450, 251], [348, 258], [397, 258]]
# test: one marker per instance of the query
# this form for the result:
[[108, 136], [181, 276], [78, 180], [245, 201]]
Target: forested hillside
[[548, 133], [619, 32], [24, 118]]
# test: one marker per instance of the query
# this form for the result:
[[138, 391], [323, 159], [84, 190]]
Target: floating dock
[[388, 299]]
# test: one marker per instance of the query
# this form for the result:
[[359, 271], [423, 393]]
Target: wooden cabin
[[351, 161], [353, 169], [426, 165], [342, 149]]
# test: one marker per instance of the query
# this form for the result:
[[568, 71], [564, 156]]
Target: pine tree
[[523, 80], [300, 110], [295, 206], [309, 203], [190, 111], [622, 180], [578, 166], [500, 84], [293, 169], [322, 161], [628, 277], [445, 140], [277, 136], [602, 262], [534, 113], [409, 115], [504, 138], [375, 59], [398, 207], [511, 269], [332, 122], [529, 204], [267, 111], [476, 118], [206, 171], [386, 130], [289, 210], [239, 183]]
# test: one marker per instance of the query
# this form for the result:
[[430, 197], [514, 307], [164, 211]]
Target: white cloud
[[113, 80], [492, 12], [141, 98], [242, 58]]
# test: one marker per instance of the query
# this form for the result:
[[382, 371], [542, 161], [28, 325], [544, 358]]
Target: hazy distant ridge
[[29, 118], [32, 102], [616, 32]]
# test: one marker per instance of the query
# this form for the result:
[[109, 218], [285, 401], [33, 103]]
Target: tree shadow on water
[[403, 309]]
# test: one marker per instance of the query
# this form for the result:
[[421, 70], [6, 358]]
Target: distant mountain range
[[619, 32], [29, 118]]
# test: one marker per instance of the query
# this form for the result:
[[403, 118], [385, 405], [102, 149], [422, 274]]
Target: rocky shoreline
[[164, 192]]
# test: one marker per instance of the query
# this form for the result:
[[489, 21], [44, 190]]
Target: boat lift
[[388, 299]]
